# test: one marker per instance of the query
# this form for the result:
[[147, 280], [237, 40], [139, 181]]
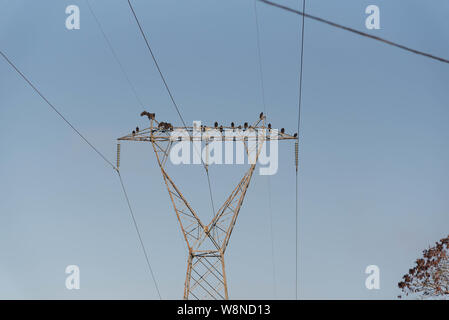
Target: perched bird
[[282, 130], [168, 126], [232, 125], [261, 116], [221, 128], [269, 126], [137, 129], [134, 133], [295, 135], [149, 115], [246, 125], [216, 124]]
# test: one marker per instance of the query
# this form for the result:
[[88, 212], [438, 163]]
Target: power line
[[273, 256], [333, 24], [171, 97], [299, 123], [92, 146], [210, 192], [114, 54], [336, 25], [56, 110], [155, 62], [260, 57], [139, 235], [268, 177]]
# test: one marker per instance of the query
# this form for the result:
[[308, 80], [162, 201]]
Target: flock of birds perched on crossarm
[[166, 126]]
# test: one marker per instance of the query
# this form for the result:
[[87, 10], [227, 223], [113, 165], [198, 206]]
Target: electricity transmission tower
[[206, 243]]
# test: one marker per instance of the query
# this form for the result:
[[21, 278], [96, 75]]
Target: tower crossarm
[[154, 134]]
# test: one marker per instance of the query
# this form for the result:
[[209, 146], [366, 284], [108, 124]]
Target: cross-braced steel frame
[[206, 243]]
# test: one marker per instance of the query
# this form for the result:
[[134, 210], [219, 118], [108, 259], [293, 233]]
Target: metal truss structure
[[206, 243]]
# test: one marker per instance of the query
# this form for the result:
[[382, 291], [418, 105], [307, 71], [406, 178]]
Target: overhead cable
[[364, 34]]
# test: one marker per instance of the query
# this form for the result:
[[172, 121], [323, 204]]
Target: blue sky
[[373, 152]]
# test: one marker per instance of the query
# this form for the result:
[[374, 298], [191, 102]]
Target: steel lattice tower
[[206, 243]]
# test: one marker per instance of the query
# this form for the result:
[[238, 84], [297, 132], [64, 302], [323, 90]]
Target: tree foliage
[[429, 278]]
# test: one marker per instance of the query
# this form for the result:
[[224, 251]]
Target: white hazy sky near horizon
[[374, 145]]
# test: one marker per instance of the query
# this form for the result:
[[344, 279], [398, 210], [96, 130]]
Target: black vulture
[[137, 129], [168, 126], [232, 125], [295, 135], [261, 116], [216, 124], [282, 130], [149, 115]]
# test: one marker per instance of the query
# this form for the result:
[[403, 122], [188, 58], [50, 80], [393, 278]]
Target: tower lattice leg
[[206, 277]]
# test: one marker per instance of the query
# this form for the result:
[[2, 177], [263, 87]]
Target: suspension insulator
[[296, 154], [118, 155], [207, 154]]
